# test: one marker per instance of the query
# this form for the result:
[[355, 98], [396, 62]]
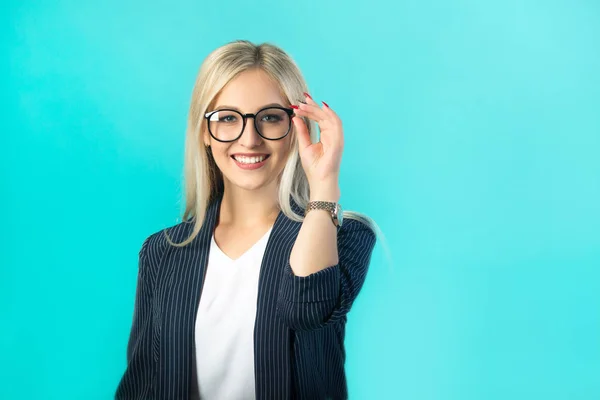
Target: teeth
[[249, 160]]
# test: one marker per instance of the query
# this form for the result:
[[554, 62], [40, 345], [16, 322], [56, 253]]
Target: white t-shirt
[[224, 329]]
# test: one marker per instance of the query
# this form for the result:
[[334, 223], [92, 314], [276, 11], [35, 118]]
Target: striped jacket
[[300, 321]]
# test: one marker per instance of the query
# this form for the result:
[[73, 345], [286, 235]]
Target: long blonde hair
[[203, 179]]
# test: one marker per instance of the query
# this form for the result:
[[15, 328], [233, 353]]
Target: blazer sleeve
[[324, 297], [137, 379]]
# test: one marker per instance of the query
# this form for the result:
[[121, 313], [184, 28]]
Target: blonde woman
[[247, 297]]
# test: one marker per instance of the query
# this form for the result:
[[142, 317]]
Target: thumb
[[301, 133]]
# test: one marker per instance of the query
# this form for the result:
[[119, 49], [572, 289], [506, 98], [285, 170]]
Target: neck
[[247, 209]]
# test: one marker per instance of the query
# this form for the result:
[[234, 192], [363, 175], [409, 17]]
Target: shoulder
[[355, 237], [155, 244], [354, 225]]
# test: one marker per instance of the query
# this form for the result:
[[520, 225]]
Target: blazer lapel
[[272, 339]]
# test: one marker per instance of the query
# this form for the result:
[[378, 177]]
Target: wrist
[[326, 194]]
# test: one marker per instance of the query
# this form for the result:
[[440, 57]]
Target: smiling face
[[249, 92]]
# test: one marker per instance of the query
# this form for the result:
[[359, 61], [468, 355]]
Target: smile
[[250, 162]]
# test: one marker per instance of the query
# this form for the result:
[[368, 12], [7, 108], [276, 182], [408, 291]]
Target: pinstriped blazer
[[300, 321]]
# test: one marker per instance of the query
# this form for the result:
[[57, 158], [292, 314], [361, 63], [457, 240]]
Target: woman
[[247, 298]]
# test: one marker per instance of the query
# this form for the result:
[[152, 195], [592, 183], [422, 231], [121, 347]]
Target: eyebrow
[[224, 106]]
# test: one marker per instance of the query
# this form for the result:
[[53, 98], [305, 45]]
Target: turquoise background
[[472, 137]]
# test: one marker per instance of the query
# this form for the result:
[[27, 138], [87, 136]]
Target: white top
[[224, 330]]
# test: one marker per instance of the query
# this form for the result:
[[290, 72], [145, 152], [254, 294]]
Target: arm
[[143, 302], [135, 380], [316, 245], [326, 296], [327, 266]]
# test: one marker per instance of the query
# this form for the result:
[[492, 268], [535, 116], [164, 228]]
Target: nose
[[250, 137]]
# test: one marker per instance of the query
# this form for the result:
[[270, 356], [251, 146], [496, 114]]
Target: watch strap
[[324, 205], [321, 205]]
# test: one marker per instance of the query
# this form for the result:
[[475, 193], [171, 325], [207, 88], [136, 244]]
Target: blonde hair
[[203, 179]]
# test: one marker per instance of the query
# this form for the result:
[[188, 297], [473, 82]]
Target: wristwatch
[[334, 208]]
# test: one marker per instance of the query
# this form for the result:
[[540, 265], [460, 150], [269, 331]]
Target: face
[[249, 92]]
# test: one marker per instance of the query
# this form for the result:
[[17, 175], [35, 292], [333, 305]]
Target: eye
[[224, 117], [271, 118], [227, 118]]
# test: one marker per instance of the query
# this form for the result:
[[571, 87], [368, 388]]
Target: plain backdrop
[[472, 137]]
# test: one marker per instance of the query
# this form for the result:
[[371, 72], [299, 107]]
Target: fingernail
[[326, 105], [307, 95], [294, 106]]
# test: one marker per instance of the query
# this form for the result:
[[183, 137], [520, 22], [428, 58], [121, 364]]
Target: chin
[[248, 183]]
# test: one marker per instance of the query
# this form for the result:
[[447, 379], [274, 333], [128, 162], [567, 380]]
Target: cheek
[[220, 156], [283, 152], [285, 149]]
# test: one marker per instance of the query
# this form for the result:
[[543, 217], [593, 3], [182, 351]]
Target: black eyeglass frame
[[289, 112]]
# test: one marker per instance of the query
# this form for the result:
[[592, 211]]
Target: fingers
[[310, 101], [331, 114], [312, 110], [330, 125], [326, 110]]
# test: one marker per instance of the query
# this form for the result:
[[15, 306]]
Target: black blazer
[[300, 321]]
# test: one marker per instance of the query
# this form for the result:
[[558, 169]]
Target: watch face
[[340, 215]]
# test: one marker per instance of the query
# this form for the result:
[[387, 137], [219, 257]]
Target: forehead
[[249, 91]]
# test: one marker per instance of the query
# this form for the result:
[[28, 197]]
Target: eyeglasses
[[271, 123]]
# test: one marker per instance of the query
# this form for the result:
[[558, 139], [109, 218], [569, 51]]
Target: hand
[[321, 161]]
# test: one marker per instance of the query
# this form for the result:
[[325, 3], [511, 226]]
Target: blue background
[[473, 138]]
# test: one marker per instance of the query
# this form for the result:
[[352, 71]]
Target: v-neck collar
[[221, 254]]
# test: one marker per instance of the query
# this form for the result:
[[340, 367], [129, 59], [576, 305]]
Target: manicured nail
[[307, 95], [326, 105], [294, 106]]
